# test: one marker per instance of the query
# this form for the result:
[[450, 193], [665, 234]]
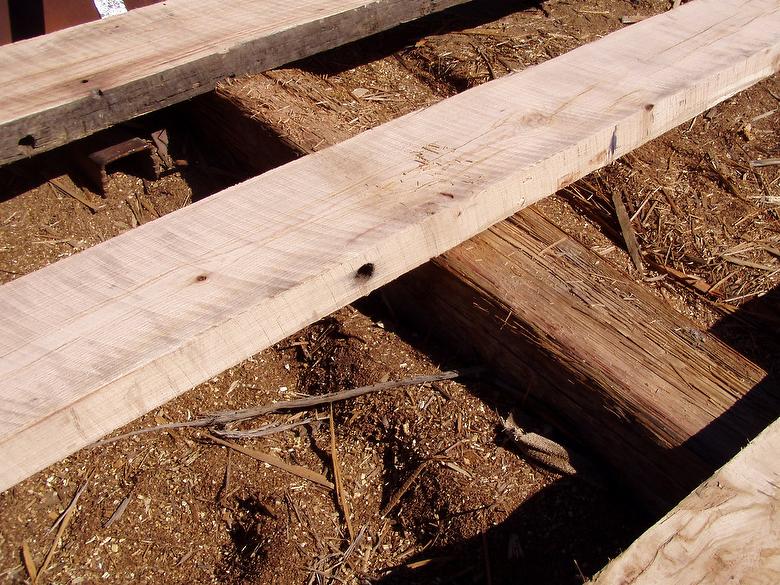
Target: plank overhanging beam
[[99, 338], [72, 83], [595, 352]]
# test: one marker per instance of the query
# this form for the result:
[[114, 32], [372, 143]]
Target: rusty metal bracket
[[95, 163]]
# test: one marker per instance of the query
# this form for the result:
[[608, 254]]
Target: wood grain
[[726, 531], [609, 363], [72, 83], [99, 338]]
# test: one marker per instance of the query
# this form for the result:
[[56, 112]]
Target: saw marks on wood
[[99, 338], [66, 85]]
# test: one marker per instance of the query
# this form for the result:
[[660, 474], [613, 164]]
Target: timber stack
[[389, 177]]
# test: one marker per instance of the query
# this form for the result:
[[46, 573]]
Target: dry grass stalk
[[337, 478], [225, 417], [297, 470], [63, 521]]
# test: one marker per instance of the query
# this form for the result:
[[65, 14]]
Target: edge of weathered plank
[[726, 531], [69, 84]]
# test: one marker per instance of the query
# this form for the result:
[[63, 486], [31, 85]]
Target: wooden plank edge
[[726, 531], [567, 358], [95, 106]]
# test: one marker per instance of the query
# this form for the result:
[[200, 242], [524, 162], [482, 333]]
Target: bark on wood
[[616, 368]]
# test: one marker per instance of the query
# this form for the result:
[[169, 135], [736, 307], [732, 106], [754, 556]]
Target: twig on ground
[[29, 563], [487, 61], [65, 186], [296, 470], [337, 479], [406, 485], [628, 231], [223, 489], [766, 162], [725, 180], [63, 522], [691, 280], [265, 430], [224, 417], [119, 511], [748, 263]]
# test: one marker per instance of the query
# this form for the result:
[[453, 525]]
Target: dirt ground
[[434, 489]]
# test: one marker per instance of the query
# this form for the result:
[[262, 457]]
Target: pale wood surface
[[101, 337], [69, 84], [609, 362], [726, 531]]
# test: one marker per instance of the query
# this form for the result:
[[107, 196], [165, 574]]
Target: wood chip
[[337, 478], [29, 563], [118, 512], [65, 186], [691, 280]]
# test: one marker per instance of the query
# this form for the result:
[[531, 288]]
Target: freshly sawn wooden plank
[[99, 338], [607, 361], [726, 531], [69, 84]]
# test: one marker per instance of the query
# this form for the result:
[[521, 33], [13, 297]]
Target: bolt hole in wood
[[365, 272], [27, 141]]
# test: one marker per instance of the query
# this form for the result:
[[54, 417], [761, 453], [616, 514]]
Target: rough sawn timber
[[71, 83], [612, 365], [726, 531], [605, 359], [99, 338]]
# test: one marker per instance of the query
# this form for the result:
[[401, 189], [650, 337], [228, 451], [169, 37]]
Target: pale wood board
[[68, 84], [99, 338], [726, 531], [606, 360]]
